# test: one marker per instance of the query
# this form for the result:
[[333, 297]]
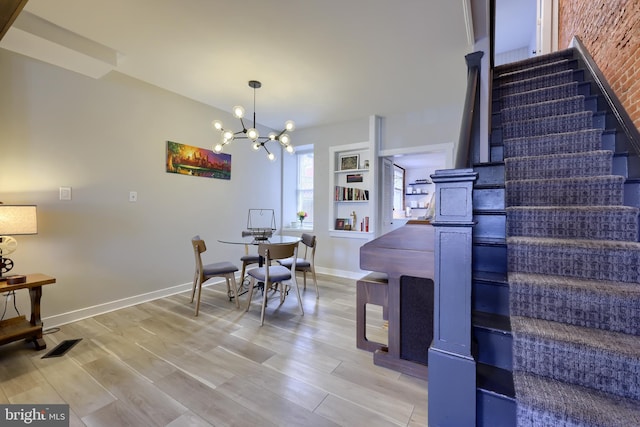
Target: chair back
[[273, 252], [309, 241], [198, 247]]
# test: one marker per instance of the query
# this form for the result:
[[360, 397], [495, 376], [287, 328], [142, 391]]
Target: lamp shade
[[18, 219]]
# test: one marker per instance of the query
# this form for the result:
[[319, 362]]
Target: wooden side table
[[18, 327]]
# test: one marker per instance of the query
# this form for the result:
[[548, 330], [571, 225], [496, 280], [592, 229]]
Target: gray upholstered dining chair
[[306, 262], [273, 275], [205, 272]]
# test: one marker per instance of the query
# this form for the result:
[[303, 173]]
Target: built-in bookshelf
[[351, 191]]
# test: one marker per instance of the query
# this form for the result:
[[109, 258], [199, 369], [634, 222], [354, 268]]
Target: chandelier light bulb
[[271, 156], [290, 125], [289, 149], [256, 146], [272, 135], [227, 135], [217, 124], [285, 139], [217, 148], [238, 112], [252, 134]]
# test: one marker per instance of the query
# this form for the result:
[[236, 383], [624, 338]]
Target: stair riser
[[490, 226], [493, 347], [489, 258], [491, 297], [490, 174], [488, 198], [494, 410]]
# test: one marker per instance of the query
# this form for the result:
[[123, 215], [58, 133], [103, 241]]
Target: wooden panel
[[9, 11]]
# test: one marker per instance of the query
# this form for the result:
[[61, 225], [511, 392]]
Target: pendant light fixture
[[251, 133]]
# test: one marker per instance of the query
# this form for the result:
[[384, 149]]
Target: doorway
[[407, 176]]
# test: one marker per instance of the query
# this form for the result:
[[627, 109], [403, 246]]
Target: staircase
[[556, 258]]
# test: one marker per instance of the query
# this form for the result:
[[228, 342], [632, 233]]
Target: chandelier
[[252, 133]]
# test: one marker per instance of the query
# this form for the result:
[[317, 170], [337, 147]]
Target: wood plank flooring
[[155, 364]]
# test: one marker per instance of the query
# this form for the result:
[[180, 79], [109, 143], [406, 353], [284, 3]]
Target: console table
[[18, 327]]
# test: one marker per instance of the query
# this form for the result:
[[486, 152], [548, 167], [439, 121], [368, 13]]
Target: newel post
[[452, 368]]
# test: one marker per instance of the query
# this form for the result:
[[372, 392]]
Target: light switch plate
[[65, 193]]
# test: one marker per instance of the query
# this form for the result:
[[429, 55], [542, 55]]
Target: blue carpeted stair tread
[[589, 357], [537, 82], [579, 191], [562, 142], [536, 61], [546, 125], [544, 402], [550, 93], [554, 107], [611, 306], [574, 222], [528, 72], [586, 259], [564, 165]]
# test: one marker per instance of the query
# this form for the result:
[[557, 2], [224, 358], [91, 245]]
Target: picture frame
[[349, 161], [340, 222], [354, 178]]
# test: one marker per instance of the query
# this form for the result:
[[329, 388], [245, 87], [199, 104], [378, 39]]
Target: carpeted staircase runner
[[573, 254]]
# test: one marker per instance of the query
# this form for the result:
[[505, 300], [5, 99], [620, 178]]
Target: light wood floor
[[155, 364]]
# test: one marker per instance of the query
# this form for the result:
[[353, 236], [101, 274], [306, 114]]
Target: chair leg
[[232, 276], [304, 279], [251, 285], [315, 282], [198, 300], [244, 270], [264, 304], [193, 290], [295, 284]]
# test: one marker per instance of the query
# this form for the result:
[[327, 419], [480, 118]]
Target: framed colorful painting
[[195, 161]]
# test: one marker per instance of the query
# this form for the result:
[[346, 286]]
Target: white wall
[[105, 138], [437, 124]]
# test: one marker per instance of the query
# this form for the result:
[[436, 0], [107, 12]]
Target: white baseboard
[[73, 316]]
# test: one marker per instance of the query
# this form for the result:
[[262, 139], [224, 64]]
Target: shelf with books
[[351, 191]]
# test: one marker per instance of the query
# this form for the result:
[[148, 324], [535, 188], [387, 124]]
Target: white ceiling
[[319, 61]]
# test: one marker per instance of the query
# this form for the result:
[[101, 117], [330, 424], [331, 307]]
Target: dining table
[[248, 239]]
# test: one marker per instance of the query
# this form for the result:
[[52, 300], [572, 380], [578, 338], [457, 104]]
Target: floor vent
[[62, 348]]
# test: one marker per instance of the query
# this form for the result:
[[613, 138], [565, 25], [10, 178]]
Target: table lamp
[[14, 220]]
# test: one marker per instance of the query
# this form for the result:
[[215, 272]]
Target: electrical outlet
[[133, 196], [65, 193]]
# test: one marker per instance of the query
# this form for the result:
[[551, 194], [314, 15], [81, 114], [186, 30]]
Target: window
[[304, 188], [297, 187], [398, 191]]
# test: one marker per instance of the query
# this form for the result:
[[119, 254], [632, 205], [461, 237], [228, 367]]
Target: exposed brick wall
[[610, 30]]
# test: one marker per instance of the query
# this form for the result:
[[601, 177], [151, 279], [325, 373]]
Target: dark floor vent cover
[[62, 348]]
